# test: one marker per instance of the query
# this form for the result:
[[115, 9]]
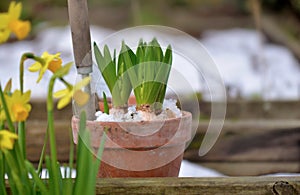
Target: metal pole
[[80, 28]]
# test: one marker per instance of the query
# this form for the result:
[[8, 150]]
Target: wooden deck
[[207, 186]]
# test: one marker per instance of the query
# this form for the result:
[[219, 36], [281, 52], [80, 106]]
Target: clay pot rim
[[178, 134]]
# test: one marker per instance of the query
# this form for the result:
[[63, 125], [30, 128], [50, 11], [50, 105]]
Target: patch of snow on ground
[[251, 67], [189, 169]]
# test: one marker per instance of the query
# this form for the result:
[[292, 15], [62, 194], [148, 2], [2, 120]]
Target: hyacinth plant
[[22, 177], [113, 74], [146, 72]]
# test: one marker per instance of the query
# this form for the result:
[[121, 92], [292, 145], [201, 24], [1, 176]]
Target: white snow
[[189, 169], [169, 110], [250, 66]]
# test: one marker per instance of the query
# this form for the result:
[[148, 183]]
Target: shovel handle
[[80, 28], [81, 38]]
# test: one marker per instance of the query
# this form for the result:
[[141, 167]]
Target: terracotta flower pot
[[140, 149]]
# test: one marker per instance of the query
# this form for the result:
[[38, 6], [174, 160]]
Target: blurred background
[[256, 47], [244, 36], [192, 16]]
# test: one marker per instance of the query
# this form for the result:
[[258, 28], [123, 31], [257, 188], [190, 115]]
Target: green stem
[[71, 156], [36, 178], [1, 125], [105, 104], [68, 187], [8, 119], [21, 126], [68, 85], [22, 171], [24, 57], [51, 132], [22, 138], [2, 173], [14, 173], [99, 154], [39, 169]]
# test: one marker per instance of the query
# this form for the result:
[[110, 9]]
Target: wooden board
[[207, 186], [240, 110], [226, 185]]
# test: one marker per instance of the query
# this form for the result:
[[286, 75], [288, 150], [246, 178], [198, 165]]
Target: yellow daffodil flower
[[51, 62], [75, 91], [10, 23], [18, 105], [7, 139]]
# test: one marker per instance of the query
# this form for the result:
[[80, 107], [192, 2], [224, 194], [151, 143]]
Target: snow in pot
[[169, 110]]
